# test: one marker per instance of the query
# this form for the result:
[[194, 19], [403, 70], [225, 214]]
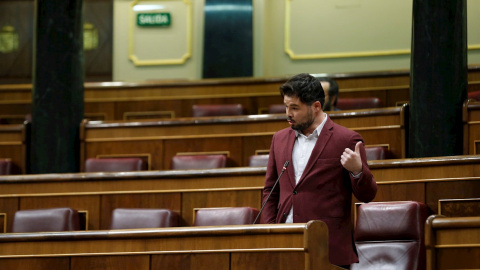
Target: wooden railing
[[452, 243], [278, 246], [174, 98]]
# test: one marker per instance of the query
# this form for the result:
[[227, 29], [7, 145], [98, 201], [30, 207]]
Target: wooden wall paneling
[[251, 197], [400, 192], [57, 263], [153, 147], [99, 111], [261, 260], [232, 145], [109, 202], [458, 258], [425, 168], [13, 145], [172, 107], [8, 206], [391, 136], [120, 262], [192, 261], [451, 190], [90, 203], [254, 143]]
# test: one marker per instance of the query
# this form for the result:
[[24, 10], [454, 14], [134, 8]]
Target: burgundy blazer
[[324, 191]]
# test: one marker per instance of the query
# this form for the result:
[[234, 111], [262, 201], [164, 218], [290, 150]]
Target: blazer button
[[294, 192]]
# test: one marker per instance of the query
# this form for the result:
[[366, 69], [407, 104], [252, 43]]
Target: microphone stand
[[276, 182]]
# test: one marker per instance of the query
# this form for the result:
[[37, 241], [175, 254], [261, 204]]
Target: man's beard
[[304, 125]]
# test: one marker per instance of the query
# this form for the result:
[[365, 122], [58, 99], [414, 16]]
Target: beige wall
[[327, 36]]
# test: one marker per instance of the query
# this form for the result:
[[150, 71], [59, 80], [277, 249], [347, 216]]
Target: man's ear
[[317, 106]]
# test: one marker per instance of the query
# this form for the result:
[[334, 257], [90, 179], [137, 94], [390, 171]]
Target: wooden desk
[[238, 136], [14, 144], [452, 243], [280, 246], [98, 194]]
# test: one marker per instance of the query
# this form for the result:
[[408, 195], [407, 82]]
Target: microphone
[[276, 182]]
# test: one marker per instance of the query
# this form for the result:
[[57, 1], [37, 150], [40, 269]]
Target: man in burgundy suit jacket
[[328, 163]]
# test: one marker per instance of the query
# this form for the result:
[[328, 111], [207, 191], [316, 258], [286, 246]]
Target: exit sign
[[153, 19]]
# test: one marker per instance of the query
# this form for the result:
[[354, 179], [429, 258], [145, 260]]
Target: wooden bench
[[452, 242], [274, 246], [174, 98], [97, 194], [239, 137]]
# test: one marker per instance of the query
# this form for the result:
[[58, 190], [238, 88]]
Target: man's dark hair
[[304, 86], [333, 89]]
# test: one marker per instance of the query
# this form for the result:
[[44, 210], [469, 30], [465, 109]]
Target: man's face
[[327, 106], [299, 115]]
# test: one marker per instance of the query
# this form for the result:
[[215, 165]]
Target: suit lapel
[[290, 143], [325, 135]]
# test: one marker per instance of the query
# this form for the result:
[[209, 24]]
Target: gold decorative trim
[[4, 215], [386, 145], [262, 152], [294, 56], [11, 143], [145, 156], [457, 245], [148, 115], [377, 128], [182, 60], [227, 153]]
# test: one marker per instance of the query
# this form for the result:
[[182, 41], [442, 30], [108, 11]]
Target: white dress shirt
[[302, 150]]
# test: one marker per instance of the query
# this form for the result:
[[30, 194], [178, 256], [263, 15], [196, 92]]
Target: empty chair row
[[67, 219], [189, 162], [388, 235]]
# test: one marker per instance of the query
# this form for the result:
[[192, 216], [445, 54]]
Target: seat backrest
[[46, 220], [358, 103], [276, 108], [474, 95], [115, 164], [390, 235], [377, 153], [258, 160], [218, 110], [225, 216], [194, 162], [135, 218], [5, 166]]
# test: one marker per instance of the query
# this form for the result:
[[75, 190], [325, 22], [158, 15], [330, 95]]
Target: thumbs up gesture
[[351, 160]]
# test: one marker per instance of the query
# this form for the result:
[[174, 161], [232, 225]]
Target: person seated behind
[[330, 87]]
